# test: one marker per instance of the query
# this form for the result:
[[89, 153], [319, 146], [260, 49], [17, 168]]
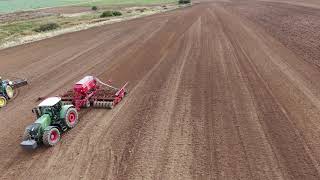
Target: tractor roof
[[50, 101]]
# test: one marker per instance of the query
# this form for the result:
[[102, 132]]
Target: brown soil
[[297, 27], [212, 96]]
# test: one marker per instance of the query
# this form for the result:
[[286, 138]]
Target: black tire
[[87, 104], [71, 118], [3, 101], [51, 137], [110, 105], [66, 102]]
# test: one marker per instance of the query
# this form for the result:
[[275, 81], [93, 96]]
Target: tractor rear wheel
[[3, 101], [51, 137], [71, 118]]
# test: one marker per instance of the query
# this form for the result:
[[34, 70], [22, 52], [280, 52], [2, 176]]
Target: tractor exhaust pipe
[[29, 144]]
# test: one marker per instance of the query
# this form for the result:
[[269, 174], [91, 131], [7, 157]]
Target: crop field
[[220, 89], [22, 5]]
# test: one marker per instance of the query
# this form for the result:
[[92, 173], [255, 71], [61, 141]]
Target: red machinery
[[91, 91]]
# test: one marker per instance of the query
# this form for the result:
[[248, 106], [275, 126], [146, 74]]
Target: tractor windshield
[[45, 110]]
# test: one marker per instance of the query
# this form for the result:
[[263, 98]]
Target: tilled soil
[[297, 27], [212, 95]]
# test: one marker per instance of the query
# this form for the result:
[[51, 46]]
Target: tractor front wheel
[[71, 118], [51, 137], [3, 101], [9, 92]]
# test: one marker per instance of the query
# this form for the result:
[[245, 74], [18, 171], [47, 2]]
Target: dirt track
[[212, 95]]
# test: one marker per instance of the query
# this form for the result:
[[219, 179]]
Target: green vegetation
[[30, 27], [110, 14], [116, 13], [94, 8], [184, 1], [47, 27], [22, 5], [10, 30], [106, 14], [142, 10], [14, 30]]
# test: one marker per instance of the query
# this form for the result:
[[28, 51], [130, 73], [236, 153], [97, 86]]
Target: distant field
[[7, 6]]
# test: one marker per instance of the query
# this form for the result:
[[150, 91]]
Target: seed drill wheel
[[103, 104], [95, 104], [110, 105], [51, 137], [66, 102], [71, 118], [3, 101], [9, 92], [87, 105]]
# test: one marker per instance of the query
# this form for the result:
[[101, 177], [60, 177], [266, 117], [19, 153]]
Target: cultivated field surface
[[218, 90]]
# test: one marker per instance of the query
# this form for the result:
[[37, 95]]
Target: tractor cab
[[50, 106]]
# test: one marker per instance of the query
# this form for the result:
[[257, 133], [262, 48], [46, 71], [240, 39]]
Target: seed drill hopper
[[90, 91]]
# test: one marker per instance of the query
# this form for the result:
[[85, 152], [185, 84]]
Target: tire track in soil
[[33, 95], [212, 96], [285, 136], [42, 158]]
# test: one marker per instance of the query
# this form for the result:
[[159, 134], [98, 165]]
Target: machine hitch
[[19, 83]]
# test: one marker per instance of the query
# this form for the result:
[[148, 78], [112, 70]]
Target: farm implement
[[56, 115], [7, 90], [90, 91]]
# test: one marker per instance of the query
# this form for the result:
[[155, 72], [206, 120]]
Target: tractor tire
[[9, 92], [51, 137], [3, 101], [71, 118]]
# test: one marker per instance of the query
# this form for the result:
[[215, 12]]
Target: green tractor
[[7, 90], [53, 118]]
